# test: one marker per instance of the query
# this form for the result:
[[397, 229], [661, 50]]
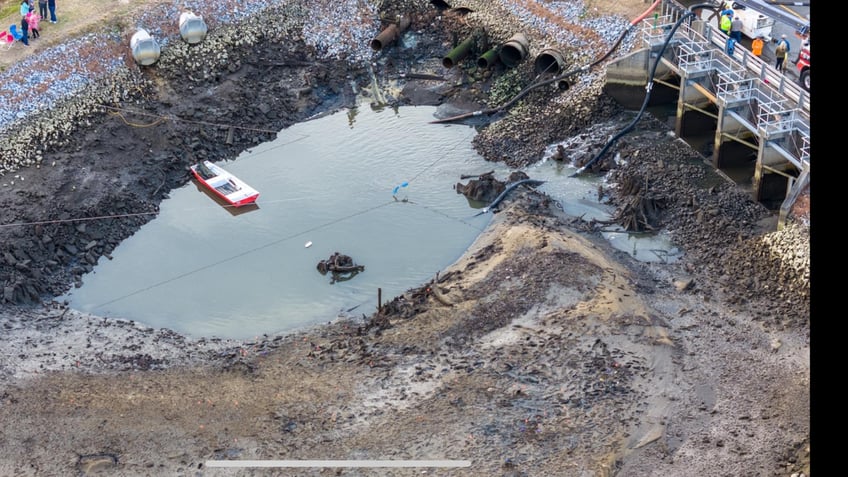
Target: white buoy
[[145, 49], [308, 244], [192, 28]]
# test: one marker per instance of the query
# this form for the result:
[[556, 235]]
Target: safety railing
[[697, 57], [779, 105], [694, 36]]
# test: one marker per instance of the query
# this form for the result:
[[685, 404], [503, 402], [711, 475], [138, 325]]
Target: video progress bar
[[338, 463]]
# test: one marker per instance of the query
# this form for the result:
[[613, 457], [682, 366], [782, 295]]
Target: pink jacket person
[[33, 19]]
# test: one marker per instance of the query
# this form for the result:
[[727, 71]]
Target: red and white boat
[[228, 187]]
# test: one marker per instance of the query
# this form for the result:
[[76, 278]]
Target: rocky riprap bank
[[50, 96]]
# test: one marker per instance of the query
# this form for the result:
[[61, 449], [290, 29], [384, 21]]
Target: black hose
[[649, 87], [506, 191]]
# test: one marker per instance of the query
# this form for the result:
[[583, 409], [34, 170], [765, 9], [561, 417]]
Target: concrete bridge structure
[[752, 109]]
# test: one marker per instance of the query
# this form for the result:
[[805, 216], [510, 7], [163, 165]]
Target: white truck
[[754, 24]]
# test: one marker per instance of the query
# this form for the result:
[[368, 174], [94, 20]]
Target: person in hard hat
[[781, 52], [757, 46], [726, 21]]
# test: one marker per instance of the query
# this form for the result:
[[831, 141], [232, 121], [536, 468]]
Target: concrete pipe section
[[515, 50], [549, 61], [390, 34], [145, 48]]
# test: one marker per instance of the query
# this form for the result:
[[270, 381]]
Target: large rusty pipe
[[390, 34], [458, 53], [515, 50], [488, 59], [549, 61]]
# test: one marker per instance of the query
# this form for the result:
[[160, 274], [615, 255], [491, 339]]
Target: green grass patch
[[8, 8]]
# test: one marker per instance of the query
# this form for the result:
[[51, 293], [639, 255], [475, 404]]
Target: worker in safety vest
[[757, 46], [726, 21]]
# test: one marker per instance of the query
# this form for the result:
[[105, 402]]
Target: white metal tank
[[145, 48], [192, 28]]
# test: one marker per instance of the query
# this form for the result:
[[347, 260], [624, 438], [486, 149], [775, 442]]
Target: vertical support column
[[758, 170], [719, 136], [681, 107]]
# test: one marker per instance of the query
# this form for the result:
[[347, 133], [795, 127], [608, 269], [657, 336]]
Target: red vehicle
[[803, 65]]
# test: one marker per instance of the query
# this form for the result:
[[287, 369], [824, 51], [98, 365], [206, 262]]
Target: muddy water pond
[[376, 185], [335, 182]]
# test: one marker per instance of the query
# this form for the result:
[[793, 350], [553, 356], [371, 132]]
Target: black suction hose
[[649, 86], [506, 191]]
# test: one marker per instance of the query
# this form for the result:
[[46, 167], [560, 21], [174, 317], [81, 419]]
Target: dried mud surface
[[542, 352]]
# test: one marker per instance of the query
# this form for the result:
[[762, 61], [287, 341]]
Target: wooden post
[[379, 300]]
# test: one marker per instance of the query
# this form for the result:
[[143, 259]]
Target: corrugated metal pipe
[[458, 53], [488, 59], [515, 50], [390, 33], [549, 61]]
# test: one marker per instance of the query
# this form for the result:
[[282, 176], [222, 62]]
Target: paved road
[[794, 41]]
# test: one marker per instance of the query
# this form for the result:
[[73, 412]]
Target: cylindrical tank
[[192, 28], [549, 61], [145, 49], [515, 50]]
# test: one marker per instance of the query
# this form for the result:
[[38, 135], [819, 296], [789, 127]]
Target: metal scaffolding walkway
[[757, 105]]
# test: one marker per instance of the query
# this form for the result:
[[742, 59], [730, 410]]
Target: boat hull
[[229, 188]]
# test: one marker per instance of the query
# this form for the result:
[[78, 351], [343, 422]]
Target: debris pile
[[339, 264]]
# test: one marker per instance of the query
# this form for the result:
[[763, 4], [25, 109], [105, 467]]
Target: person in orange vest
[[757, 46]]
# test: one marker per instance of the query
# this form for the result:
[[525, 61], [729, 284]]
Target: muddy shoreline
[[541, 352]]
